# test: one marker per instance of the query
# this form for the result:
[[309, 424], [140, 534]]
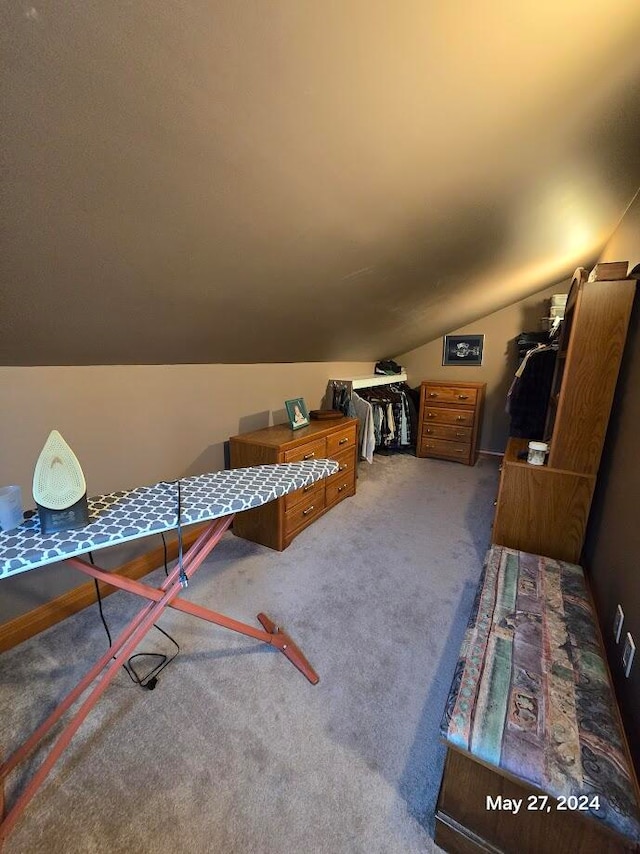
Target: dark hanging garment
[[528, 340], [413, 399], [529, 395]]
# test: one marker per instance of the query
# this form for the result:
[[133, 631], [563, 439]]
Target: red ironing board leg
[[273, 635], [210, 537], [109, 664], [287, 647]]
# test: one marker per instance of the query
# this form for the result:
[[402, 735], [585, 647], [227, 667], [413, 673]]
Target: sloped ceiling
[[283, 180]]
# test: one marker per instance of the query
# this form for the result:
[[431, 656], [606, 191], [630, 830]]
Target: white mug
[[10, 508], [537, 453]]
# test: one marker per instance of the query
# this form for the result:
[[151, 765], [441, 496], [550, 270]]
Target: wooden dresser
[[277, 523], [545, 509], [450, 419]]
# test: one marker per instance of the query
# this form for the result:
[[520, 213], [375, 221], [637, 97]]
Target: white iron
[[59, 487]]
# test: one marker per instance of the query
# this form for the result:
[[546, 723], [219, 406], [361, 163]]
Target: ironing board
[[128, 515]]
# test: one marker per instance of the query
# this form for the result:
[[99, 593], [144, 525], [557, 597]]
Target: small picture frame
[[462, 350], [297, 412]]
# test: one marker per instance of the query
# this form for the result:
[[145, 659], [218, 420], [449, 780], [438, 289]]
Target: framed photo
[[297, 412], [462, 349]]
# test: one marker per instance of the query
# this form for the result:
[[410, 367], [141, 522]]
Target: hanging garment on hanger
[[403, 427], [364, 412], [512, 393], [395, 418], [378, 397], [342, 400], [529, 398]]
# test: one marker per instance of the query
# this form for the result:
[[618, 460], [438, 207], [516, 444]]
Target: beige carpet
[[235, 751]]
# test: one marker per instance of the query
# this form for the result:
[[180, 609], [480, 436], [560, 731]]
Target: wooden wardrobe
[[545, 509]]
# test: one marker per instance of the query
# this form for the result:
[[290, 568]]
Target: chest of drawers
[[450, 419], [277, 523]]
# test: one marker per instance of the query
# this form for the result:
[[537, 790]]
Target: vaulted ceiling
[[283, 180]]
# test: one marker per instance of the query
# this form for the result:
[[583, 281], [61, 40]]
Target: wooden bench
[[537, 760]]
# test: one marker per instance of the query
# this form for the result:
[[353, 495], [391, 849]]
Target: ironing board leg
[[273, 634], [123, 647], [160, 599], [209, 537], [289, 649]]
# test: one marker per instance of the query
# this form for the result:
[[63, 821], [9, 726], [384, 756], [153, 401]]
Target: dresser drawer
[[316, 450], [307, 492], [458, 417], [346, 462], [442, 448], [340, 441], [304, 512], [450, 394], [341, 488], [433, 430]]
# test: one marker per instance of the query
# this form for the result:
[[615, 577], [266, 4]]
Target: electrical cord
[[150, 679], [184, 581], [99, 598], [164, 545]]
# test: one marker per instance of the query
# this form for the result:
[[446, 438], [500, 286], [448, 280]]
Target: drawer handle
[[309, 456], [341, 468], [430, 415], [307, 488], [433, 394], [429, 446], [343, 487], [459, 435], [429, 430], [343, 441], [500, 467], [495, 503], [460, 418], [463, 397], [307, 511]]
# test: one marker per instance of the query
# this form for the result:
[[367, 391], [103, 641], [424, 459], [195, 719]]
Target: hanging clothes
[[394, 415], [364, 411], [340, 399], [528, 397], [387, 414]]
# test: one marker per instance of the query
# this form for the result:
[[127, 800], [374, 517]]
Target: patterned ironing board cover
[[122, 516]]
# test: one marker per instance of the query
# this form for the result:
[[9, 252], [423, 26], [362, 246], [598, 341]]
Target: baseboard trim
[[43, 617]]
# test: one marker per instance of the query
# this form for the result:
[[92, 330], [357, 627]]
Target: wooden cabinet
[[450, 419], [540, 509], [545, 509], [276, 524]]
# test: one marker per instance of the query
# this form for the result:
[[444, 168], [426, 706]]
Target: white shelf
[[369, 380]]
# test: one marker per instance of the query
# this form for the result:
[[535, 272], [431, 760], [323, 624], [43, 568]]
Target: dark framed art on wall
[[462, 349]]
